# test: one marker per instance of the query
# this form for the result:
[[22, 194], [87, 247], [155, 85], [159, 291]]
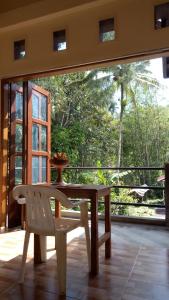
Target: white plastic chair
[[39, 220]]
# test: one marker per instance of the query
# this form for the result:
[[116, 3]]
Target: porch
[[138, 269]]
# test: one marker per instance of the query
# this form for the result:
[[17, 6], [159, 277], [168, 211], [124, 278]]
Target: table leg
[[39, 249], [94, 236], [107, 225]]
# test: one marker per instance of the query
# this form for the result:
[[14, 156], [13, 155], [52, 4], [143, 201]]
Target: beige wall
[[134, 25], [38, 11], [9, 5]]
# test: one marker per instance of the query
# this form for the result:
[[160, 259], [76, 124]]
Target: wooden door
[[4, 121], [38, 168], [29, 141]]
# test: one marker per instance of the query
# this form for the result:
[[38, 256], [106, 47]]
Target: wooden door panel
[[21, 153], [5, 90], [15, 151], [40, 121]]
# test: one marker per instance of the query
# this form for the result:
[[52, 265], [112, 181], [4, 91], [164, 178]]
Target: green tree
[[82, 125], [89, 111], [130, 81]]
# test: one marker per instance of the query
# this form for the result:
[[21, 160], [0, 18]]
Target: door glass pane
[[43, 107], [18, 137], [19, 106], [44, 169], [18, 170], [35, 106], [43, 138], [35, 169], [35, 137]]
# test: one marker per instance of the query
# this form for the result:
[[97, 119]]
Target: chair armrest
[[79, 203], [83, 201], [83, 205], [20, 200]]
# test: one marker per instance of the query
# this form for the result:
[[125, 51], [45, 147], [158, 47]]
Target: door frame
[[155, 53]]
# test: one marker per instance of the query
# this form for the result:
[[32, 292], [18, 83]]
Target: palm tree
[[128, 81]]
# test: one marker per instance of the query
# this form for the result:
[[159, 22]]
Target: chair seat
[[66, 225]]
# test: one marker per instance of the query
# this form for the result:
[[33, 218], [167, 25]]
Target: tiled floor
[[138, 269]]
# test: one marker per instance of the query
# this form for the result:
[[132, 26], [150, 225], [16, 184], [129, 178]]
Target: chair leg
[[24, 256], [61, 261], [87, 234]]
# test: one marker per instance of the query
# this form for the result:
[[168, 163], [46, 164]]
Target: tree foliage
[[96, 113]]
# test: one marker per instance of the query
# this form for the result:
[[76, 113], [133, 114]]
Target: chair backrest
[[39, 218]]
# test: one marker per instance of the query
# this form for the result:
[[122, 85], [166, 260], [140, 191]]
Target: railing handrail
[[123, 168], [150, 187], [114, 168], [127, 186]]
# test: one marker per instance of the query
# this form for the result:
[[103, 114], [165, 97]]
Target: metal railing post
[[167, 193]]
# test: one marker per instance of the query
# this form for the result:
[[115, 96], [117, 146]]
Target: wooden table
[[93, 193]]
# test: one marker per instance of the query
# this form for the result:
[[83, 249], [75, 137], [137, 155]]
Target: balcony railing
[[117, 186]]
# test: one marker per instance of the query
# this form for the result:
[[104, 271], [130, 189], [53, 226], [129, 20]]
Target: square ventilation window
[[106, 30], [19, 49], [59, 40], [161, 16]]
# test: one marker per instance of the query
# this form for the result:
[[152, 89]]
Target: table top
[[83, 190]]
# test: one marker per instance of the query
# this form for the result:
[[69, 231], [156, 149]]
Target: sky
[[156, 67]]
